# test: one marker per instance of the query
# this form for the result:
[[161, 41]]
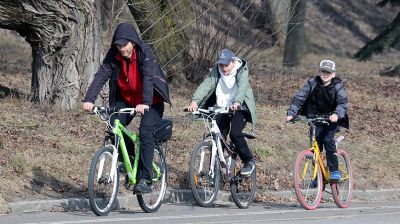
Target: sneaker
[[248, 168], [314, 183], [335, 176], [144, 186]]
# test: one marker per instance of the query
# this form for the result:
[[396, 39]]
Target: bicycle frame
[[317, 155], [119, 129], [215, 140]]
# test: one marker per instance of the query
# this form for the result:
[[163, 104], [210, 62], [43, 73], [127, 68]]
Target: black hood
[[126, 31]]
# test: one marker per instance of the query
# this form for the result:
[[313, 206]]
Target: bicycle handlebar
[[105, 112], [213, 110], [317, 119]]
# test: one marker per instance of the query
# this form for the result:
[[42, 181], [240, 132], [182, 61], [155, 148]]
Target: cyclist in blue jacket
[[324, 95]]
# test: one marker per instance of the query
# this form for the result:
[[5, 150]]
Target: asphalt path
[[362, 212]]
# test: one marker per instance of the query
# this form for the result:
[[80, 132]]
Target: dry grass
[[45, 153]]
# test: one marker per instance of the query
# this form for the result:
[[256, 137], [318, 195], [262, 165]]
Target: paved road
[[359, 212]]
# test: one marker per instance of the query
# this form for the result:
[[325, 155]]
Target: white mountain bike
[[213, 158]]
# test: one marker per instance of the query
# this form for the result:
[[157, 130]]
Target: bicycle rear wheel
[[308, 189], [243, 188], [203, 183], [102, 188], [343, 190], [152, 201]]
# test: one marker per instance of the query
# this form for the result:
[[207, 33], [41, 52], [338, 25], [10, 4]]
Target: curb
[[178, 197]]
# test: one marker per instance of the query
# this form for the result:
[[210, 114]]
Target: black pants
[[325, 138], [235, 123], [148, 124]]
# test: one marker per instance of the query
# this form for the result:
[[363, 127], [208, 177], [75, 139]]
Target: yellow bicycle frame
[[317, 157]]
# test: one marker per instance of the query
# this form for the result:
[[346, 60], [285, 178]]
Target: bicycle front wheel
[[243, 188], [102, 187], [204, 182], [152, 201], [343, 190], [308, 187]]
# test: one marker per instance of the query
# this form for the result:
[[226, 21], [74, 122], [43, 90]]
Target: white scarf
[[227, 86]]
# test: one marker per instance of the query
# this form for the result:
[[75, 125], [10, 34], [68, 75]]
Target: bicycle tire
[[102, 193], [308, 191], [243, 188], [343, 190], [204, 186], [152, 201]]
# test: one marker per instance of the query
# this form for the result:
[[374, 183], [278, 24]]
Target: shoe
[[335, 176], [314, 183], [144, 186], [248, 168]]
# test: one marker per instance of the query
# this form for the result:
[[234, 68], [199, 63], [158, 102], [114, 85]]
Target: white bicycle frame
[[215, 133]]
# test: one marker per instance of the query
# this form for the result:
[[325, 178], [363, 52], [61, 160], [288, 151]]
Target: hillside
[[45, 153]]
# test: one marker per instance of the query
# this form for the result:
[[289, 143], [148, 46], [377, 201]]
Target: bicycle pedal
[[137, 193], [128, 187]]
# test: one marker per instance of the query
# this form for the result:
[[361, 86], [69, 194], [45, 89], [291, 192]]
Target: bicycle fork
[[113, 165]]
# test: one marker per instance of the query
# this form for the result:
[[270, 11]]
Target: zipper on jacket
[[159, 92]]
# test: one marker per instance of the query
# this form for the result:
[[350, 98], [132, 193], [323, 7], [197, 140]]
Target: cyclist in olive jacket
[[227, 84]]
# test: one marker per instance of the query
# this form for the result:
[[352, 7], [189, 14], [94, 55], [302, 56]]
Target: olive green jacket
[[244, 92]]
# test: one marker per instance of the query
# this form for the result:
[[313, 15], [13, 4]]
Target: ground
[[46, 153]]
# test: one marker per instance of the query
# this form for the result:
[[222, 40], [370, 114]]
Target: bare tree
[[162, 25], [66, 47], [295, 34], [243, 28], [389, 37], [114, 12]]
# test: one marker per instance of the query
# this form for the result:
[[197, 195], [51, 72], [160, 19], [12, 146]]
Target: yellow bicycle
[[311, 175]]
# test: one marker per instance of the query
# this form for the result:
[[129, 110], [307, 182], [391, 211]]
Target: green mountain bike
[[103, 178]]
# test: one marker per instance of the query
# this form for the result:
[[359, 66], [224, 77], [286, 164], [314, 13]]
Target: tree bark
[[66, 46], [294, 43]]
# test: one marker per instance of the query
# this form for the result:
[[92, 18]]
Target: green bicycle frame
[[119, 129]]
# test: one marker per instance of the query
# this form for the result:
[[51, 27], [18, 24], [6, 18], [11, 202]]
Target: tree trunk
[[66, 46], [294, 43], [161, 25], [279, 11]]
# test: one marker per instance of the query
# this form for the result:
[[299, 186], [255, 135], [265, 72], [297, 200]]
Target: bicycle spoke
[[151, 202], [204, 184], [342, 190], [308, 181], [102, 188]]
